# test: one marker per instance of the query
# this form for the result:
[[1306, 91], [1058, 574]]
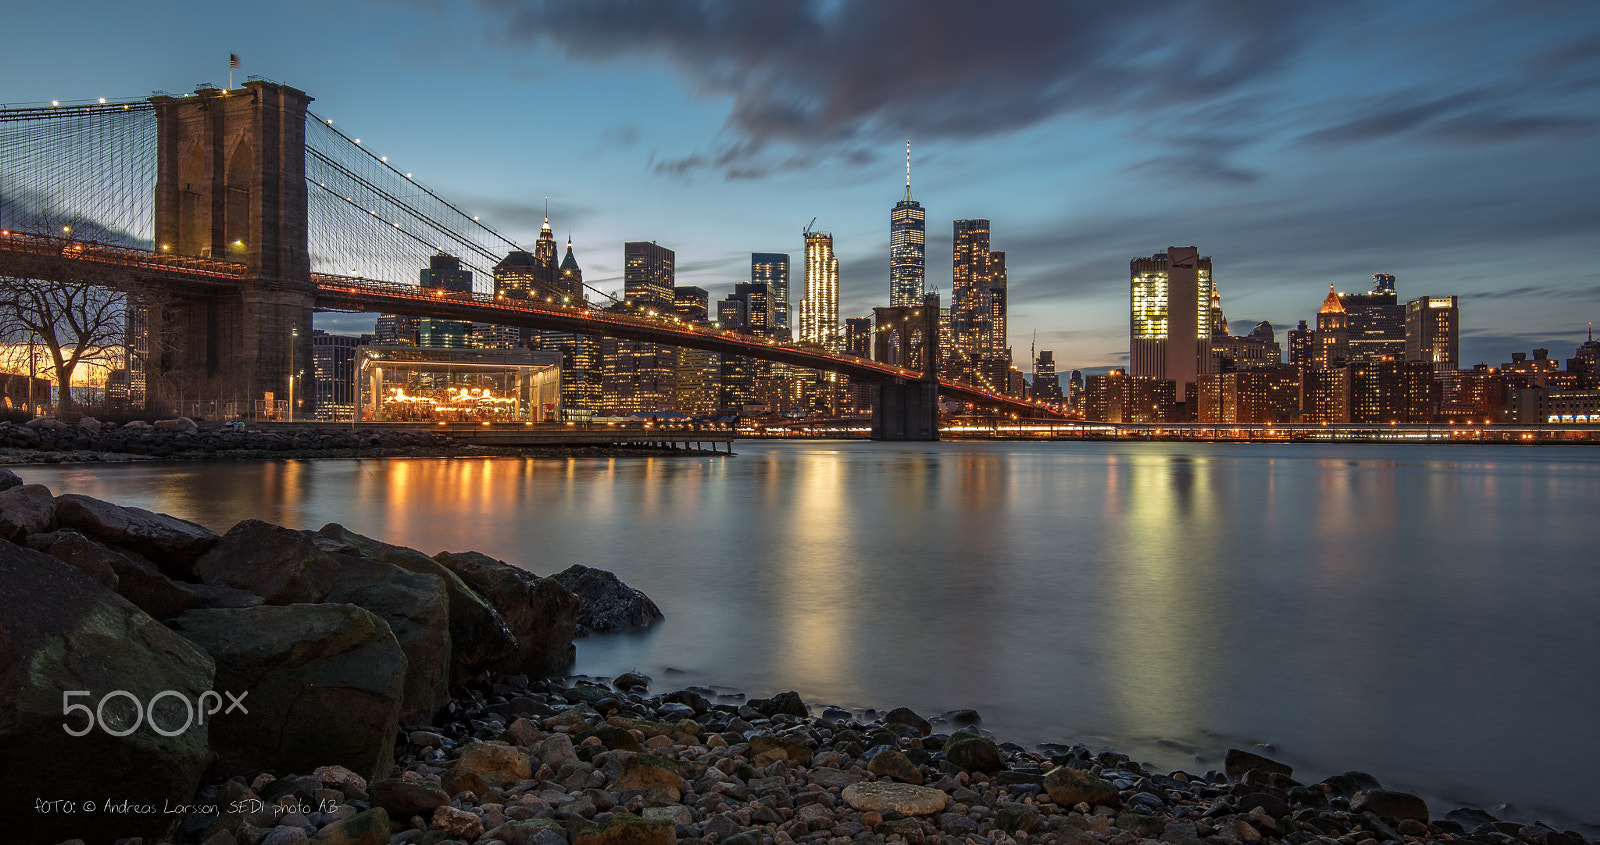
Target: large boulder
[[66, 642], [479, 638], [541, 613], [606, 605], [324, 682], [1238, 763], [278, 564], [418, 612], [172, 543], [27, 509], [137, 579], [973, 753], [9, 479], [1069, 787]]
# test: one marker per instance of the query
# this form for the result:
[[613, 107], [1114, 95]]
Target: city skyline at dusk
[[1447, 144]]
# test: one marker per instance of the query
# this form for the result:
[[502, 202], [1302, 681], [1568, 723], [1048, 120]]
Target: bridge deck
[[34, 253]]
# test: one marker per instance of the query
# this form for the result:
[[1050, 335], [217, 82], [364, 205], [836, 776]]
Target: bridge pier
[[906, 411], [231, 186], [909, 410]]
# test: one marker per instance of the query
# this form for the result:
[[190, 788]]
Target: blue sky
[[1453, 144]]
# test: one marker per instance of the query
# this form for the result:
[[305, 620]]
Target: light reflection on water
[[1423, 613]]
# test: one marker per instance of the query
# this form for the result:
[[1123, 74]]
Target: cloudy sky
[[1455, 144]]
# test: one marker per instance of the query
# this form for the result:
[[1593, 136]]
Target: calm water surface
[[1424, 613]]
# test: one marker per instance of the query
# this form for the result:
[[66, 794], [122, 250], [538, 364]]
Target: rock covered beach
[[47, 440], [394, 696]]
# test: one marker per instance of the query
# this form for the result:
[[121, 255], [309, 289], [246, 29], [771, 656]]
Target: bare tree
[[74, 322]]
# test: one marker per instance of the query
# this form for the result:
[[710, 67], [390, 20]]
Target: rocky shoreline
[[181, 439], [397, 697]]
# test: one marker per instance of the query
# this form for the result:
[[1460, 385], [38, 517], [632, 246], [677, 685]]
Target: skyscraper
[[819, 310], [1302, 346], [642, 376], [1333, 333], [1170, 325], [908, 237], [978, 307], [759, 309], [648, 274], [772, 270], [969, 308], [582, 368], [444, 274], [1046, 384], [1433, 332], [1377, 322]]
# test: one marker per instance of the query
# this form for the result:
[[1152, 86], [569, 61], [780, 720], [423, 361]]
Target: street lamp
[[294, 334]]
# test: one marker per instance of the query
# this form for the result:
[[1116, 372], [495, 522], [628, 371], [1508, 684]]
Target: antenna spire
[[908, 170]]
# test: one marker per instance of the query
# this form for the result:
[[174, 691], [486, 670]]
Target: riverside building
[[1433, 332], [1170, 317]]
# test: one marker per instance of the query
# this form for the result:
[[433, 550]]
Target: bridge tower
[[231, 186], [905, 409]]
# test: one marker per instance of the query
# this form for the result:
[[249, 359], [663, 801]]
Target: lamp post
[[294, 335]]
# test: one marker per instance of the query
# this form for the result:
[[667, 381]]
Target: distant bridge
[[260, 206]]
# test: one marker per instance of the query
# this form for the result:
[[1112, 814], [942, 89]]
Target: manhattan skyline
[[1447, 144]]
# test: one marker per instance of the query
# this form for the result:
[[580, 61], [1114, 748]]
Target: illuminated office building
[[772, 269], [908, 239], [978, 308], [1377, 322], [692, 304], [1046, 384], [1433, 332], [1302, 345], [1333, 333], [1170, 317], [648, 274], [582, 367], [819, 309]]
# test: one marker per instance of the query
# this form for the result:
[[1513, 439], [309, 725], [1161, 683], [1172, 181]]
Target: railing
[[114, 254]]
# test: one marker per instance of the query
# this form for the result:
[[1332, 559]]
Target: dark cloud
[[624, 136], [824, 80]]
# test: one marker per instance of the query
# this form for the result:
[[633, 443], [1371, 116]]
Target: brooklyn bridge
[[246, 213]]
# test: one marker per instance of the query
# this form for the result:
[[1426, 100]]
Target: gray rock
[[9, 479], [281, 565], [1239, 762], [406, 798], [890, 763], [606, 605], [417, 609], [1391, 805], [27, 509], [973, 753], [541, 613], [1068, 786], [479, 638], [907, 716], [137, 579], [62, 632], [172, 544], [324, 684], [81, 553]]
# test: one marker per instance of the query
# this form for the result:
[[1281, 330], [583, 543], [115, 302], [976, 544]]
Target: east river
[[1428, 614]]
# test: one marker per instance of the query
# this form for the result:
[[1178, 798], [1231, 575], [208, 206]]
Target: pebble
[[757, 773]]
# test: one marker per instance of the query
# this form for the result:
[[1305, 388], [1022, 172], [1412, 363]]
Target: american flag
[[233, 60]]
